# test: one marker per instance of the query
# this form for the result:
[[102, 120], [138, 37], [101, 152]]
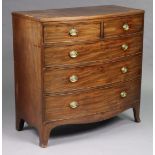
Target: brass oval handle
[[126, 27], [73, 54], [74, 104], [123, 94], [73, 32], [73, 78], [124, 70], [124, 47]]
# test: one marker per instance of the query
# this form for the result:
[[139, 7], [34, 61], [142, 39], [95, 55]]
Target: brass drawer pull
[[124, 70], [73, 32], [124, 47], [73, 104], [126, 27], [73, 78], [73, 54], [123, 94]]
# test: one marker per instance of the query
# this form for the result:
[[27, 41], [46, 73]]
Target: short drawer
[[71, 31], [68, 79], [107, 100], [123, 26], [105, 50]]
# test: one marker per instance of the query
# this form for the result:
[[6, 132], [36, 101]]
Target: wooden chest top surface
[[78, 13]]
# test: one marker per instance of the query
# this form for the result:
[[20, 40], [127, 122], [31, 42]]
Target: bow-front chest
[[76, 65]]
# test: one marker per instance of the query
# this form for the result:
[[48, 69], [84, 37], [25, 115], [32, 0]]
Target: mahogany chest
[[76, 65]]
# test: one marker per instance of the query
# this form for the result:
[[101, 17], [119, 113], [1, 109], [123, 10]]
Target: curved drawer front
[[59, 80], [107, 100], [87, 53], [123, 25], [72, 31]]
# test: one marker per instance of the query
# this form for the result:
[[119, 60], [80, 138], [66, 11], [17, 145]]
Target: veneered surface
[[78, 13]]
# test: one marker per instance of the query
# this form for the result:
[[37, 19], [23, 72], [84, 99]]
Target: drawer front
[[95, 101], [87, 53], [72, 31], [123, 26], [59, 80]]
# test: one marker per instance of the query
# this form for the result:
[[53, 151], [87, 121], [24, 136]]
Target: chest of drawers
[[77, 65]]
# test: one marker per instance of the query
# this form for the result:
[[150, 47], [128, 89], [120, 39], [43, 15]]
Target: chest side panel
[[27, 64]]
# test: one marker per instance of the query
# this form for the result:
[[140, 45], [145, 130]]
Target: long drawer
[[77, 78], [105, 50], [94, 101]]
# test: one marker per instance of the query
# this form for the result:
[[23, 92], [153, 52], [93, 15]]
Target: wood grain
[[94, 101], [60, 31], [27, 64], [91, 30], [86, 13], [57, 80], [115, 26], [88, 53]]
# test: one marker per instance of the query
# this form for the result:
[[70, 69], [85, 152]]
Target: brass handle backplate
[[73, 54], [73, 78], [124, 47], [123, 94], [126, 27], [73, 32], [73, 104], [124, 70]]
